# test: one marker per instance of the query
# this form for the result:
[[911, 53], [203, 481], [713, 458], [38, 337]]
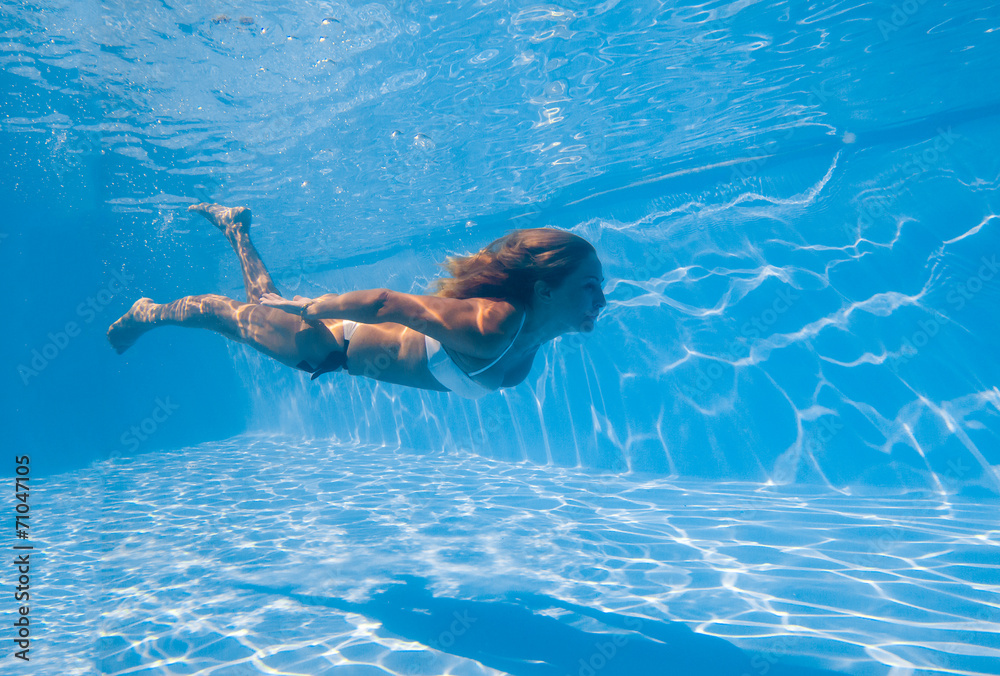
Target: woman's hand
[[294, 306]]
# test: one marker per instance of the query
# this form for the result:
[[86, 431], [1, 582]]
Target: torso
[[396, 354]]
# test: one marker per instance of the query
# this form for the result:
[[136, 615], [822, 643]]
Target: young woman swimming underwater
[[478, 332]]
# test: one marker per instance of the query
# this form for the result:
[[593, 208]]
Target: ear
[[543, 291]]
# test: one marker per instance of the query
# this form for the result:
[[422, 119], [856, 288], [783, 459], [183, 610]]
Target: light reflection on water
[[357, 130], [259, 551]]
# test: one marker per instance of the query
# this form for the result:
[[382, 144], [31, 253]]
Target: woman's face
[[580, 297]]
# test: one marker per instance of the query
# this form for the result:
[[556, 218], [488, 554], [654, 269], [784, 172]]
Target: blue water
[[777, 454]]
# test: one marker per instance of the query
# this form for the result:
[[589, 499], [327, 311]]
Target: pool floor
[[262, 554]]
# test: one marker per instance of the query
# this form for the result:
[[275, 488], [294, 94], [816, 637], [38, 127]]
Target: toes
[[223, 217], [215, 214], [209, 211]]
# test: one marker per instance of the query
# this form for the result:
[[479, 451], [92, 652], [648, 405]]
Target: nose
[[601, 300]]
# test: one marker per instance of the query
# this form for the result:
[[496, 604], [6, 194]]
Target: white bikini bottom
[[349, 328]]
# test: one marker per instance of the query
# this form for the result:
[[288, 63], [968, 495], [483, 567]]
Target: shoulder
[[477, 327], [501, 315]]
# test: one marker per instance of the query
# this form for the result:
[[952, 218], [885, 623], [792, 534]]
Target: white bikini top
[[492, 363], [449, 374]]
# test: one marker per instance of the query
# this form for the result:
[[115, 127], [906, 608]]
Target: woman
[[479, 332]]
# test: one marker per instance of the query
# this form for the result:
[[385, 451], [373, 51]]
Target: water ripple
[[261, 554]]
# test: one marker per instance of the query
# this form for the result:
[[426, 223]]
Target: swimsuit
[[442, 367], [448, 373], [336, 359]]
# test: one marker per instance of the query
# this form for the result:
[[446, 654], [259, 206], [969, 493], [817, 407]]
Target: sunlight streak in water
[[263, 552]]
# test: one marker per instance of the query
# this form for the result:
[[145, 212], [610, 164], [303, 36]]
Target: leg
[[275, 333], [235, 225]]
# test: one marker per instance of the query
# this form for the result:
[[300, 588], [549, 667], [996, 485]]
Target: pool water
[[777, 454], [263, 553]]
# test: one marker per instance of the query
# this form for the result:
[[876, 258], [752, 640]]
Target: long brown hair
[[509, 267]]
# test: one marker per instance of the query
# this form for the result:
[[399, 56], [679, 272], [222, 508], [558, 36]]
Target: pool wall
[[733, 347], [795, 204]]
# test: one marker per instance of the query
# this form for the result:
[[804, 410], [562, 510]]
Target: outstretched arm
[[475, 326], [359, 306]]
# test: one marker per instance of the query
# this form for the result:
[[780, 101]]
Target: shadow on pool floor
[[512, 637]]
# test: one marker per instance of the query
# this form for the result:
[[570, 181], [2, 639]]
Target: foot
[[130, 326], [226, 219]]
